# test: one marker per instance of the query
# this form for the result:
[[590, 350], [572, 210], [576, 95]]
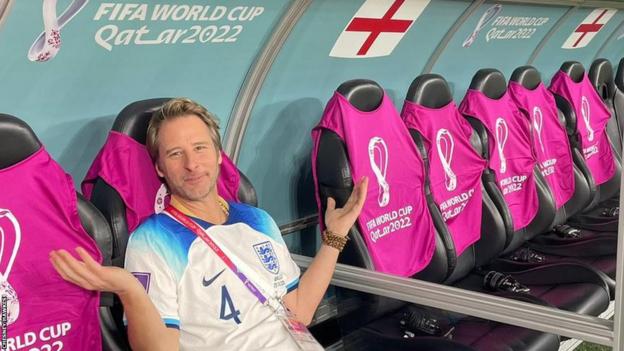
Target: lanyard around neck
[[195, 228]]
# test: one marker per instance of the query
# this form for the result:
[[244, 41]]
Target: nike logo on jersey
[[208, 282]]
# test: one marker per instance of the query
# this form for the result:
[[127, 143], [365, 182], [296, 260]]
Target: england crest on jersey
[[267, 256]]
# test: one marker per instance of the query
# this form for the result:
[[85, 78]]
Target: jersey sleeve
[[292, 273], [146, 263]]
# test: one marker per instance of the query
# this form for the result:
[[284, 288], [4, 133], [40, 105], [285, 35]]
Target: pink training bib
[[124, 164], [455, 168], [511, 157], [592, 117], [395, 223], [38, 214], [550, 140]]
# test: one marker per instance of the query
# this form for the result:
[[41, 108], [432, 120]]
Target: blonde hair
[[176, 108]]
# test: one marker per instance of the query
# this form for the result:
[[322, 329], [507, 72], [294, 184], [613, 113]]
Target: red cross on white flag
[[377, 28], [587, 30]]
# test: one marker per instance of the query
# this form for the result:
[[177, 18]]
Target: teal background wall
[[71, 100]]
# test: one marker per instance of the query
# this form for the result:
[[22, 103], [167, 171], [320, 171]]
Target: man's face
[[187, 158]]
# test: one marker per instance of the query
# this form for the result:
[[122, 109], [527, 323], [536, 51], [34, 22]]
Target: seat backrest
[[120, 193], [592, 116], [41, 212], [371, 120], [601, 77], [618, 96], [454, 169], [550, 143], [513, 168]]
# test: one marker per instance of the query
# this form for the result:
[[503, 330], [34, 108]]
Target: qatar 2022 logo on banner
[[48, 43]]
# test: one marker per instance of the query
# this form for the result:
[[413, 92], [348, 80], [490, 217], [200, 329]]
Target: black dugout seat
[[334, 180], [133, 121], [18, 142], [373, 326]]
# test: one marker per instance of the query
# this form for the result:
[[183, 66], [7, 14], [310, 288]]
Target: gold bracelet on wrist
[[334, 240]]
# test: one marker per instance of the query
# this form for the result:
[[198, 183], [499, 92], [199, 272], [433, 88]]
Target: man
[[194, 300]]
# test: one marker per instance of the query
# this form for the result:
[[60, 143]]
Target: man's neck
[[208, 209]]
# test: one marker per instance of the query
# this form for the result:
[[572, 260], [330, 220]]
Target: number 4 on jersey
[[228, 305]]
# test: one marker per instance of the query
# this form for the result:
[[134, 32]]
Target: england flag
[[587, 30], [377, 28]]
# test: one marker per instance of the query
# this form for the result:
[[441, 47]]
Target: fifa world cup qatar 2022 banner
[[72, 65]]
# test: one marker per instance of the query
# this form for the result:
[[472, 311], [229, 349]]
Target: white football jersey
[[195, 292]]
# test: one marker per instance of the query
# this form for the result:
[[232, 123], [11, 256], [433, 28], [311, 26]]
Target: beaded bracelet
[[334, 240]]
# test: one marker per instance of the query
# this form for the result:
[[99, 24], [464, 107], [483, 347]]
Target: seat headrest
[[17, 140], [601, 76], [619, 75], [365, 95], [527, 76], [490, 82], [430, 90], [574, 70], [134, 118]]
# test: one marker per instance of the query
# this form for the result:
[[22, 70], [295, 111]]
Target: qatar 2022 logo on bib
[[445, 145], [502, 132], [10, 237], [378, 157]]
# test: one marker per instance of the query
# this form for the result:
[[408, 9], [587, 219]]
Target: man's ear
[[158, 171]]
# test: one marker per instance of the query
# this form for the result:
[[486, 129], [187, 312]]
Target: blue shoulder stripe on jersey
[[256, 218], [167, 238], [292, 285], [172, 323]]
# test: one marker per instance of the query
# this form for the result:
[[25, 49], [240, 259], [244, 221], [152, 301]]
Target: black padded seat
[[18, 142]]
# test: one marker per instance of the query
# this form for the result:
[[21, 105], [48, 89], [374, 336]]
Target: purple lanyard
[[190, 224]]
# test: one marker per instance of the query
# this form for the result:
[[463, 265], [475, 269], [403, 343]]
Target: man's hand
[[91, 275], [340, 220]]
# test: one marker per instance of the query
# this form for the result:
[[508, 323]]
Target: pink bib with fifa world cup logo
[[511, 155], [550, 140], [124, 164], [592, 117], [38, 214], [394, 222], [455, 168]]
